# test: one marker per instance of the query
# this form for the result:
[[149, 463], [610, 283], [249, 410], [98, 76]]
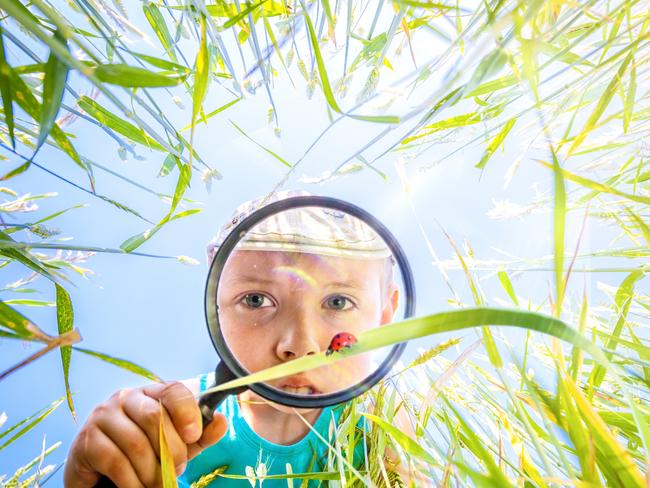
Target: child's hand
[[120, 437]]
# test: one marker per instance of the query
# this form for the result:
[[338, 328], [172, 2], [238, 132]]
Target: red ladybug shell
[[339, 341]]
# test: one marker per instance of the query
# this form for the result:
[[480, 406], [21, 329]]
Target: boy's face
[[277, 306]]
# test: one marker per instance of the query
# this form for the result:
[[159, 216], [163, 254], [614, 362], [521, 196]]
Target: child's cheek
[[347, 372]]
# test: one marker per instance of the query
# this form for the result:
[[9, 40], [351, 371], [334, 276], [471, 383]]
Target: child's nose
[[298, 338]]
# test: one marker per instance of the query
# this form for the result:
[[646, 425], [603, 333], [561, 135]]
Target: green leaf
[[27, 101], [118, 124], [135, 77], [137, 240], [65, 320], [162, 63], [184, 177], [628, 102], [167, 467], [28, 424], [169, 163], [476, 445], [491, 86], [559, 223], [5, 91], [495, 143], [185, 213], [598, 187], [576, 353], [29, 303], [56, 74], [622, 301], [234, 19], [159, 26], [279, 158], [16, 171], [404, 441], [489, 66], [215, 112], [428, 325], [507, 286], [24, 257], [643, 227], [643, 428], [202, 69], [606, 97], [621, 467], [14, 321], [325, 83], [121, 363]]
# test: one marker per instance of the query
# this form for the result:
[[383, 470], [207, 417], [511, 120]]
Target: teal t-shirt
[[242, 447]]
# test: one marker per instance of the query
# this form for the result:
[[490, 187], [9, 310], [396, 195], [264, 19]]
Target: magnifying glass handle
[[209, 402]]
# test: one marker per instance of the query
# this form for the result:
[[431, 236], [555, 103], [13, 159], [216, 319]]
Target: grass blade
[[507, 286], [6, 90], [159, 26], [404, 441], [121, 363], [621, 468], [135, 77], [495, 143], [598, 187], [167, 467], [27, 101], [65, 320], [56, 74], [623, 301], [279, 158], [118, 124], [428, 325], [559, 223], [25, 258], [29, 423], [201, 71], [603, 102]]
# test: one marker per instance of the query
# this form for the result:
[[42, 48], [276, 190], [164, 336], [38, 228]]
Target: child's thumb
[[212, 433]]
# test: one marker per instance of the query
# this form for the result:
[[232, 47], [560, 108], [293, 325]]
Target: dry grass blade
[[66, 339]]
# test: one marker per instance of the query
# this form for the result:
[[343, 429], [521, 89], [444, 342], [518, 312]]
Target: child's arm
[[120, 437]]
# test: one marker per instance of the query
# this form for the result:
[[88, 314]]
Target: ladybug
[[339, 341]]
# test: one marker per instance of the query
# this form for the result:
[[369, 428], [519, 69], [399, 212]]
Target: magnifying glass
[[302, 276]]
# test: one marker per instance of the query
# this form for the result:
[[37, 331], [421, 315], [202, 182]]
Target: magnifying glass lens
[[305, 281]]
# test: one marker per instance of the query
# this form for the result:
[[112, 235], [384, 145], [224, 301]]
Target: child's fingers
[[146, 413], [212, 433], [101, 455], [181, 406], [134, 443]]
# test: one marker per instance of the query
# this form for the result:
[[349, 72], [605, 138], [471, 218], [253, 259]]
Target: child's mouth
[[302, 390]]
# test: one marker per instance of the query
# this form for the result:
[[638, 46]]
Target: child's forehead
[[272, 259], [277, 263]]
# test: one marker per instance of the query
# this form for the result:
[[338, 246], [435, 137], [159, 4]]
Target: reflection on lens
[[308, 281]]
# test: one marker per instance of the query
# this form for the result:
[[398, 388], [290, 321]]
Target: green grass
[[570, 78]]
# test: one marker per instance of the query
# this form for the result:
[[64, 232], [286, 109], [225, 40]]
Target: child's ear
[[390, 305]]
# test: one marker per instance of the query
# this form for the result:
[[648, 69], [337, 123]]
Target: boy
[[265, 322]]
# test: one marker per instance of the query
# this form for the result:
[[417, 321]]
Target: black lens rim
[[214, 275]]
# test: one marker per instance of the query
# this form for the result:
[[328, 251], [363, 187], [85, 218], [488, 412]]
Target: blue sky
[[150, 311]]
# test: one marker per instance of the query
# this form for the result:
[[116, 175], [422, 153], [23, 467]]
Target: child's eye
[[257, 300], [338, 302]]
